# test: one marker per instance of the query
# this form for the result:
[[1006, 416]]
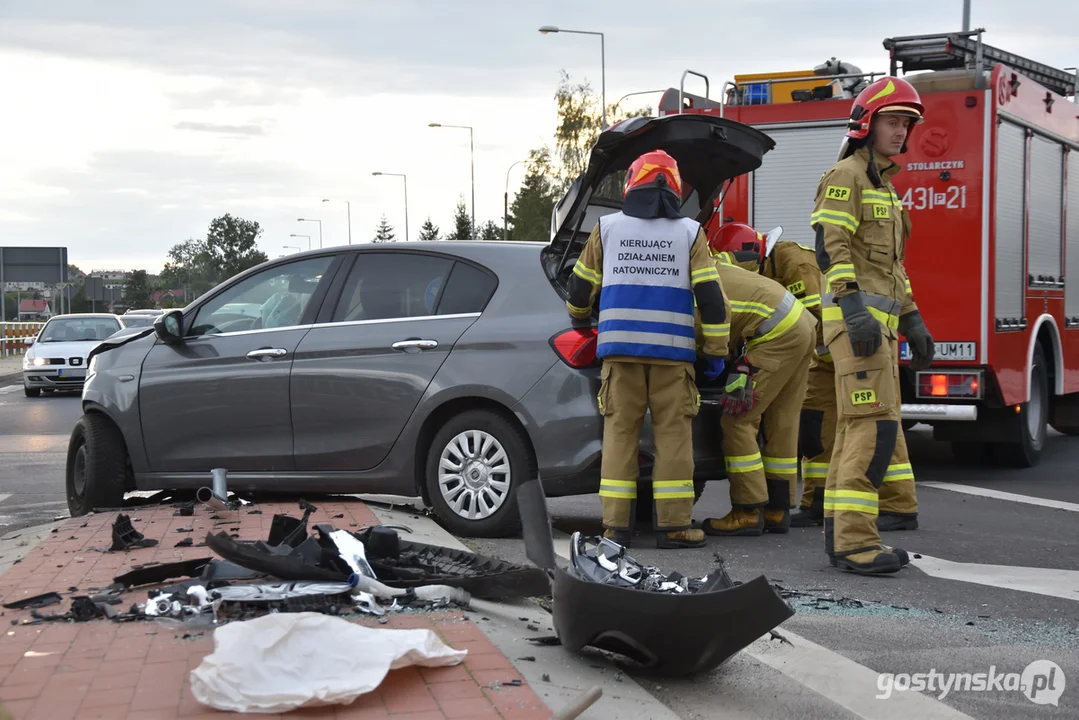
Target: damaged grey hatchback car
[[448, 370]]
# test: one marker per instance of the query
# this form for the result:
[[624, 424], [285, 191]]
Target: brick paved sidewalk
[[139, 670]]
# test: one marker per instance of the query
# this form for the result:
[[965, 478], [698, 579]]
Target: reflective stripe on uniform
[[782, 320], [647, 338], [578, 310], [899, 472], [840, 271], [625, 489], [672, 489], [835, 217], [909, 291], [811, 300], [744, 463], [780, 465], [883, 308], [586, 273], [724, 258], [852, 501], [824, 354], [755, 308], [653, 316], [704, 275], [881, 197], [716, 329], [815, 470]]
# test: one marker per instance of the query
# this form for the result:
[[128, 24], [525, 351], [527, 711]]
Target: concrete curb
[[10, 378], [567, 675], [17, 544]]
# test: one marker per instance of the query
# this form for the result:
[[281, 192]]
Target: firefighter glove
[[713, 368], [862, 328], [922, 349], [738, 397]]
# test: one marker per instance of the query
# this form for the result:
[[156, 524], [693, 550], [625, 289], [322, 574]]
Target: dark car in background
[[447, 370]]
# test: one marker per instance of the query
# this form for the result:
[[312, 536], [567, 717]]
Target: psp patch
[[864, 397], [837, 192], [797, 287], [880, 212]]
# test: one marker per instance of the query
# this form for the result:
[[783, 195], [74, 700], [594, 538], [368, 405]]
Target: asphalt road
[[955, 610]]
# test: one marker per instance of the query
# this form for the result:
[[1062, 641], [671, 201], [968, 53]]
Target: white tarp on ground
[[284, 661]]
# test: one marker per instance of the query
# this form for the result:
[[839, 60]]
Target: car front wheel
[[31, 392], [475, 464], [96, 465]]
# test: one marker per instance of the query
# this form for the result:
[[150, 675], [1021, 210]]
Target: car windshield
[[76, 329], [139, 320]]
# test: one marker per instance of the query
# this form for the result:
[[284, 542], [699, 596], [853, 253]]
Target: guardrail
[[13, 336]]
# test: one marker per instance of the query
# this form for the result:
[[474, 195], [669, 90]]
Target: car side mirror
[[30, 340], [169, 327]]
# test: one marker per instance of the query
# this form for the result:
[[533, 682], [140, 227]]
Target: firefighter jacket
[[861, 233], [789, 264], [761, 310], [651, 272]]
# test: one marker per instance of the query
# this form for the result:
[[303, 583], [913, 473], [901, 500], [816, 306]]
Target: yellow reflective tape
[[830, 313], [863, 397], [586, 273], [744, 463], [796, 287], [784, 325], [835, 217], [741, 306], [811, 300], [837, 192], [840, 271], [578, 310], [837, 506], [621, 494], [815, 470], [852, 494], [716, 329], [704, 275], [888, 89], [892, 321], [625, 489], [780, 466], [618, 483], [725, 258]]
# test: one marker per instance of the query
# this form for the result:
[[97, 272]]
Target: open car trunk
[[710, 151]]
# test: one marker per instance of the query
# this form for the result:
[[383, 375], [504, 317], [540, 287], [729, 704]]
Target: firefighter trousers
[[818, 430], [628, 389], [870, 451], [770, 478]]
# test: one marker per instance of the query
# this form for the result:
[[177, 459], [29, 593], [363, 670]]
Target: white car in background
[[56, 358]]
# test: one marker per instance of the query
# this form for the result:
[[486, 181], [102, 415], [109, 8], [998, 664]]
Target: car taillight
[[949, 384], [576, 347]]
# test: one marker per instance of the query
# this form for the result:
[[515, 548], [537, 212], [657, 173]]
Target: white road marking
[[4, 496], [1000, 495], [829, 674], [10, 389], [1043, 581]]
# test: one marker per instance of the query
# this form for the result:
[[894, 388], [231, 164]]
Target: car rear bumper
[[54, 379]]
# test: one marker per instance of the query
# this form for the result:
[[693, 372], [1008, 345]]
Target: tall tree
[[384, 231], [490, 231], [189, 267], [232, 245], [428, 231], [530, 212], [462, 221], [137, 290]]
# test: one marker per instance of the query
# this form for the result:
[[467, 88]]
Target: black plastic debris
[[666, 633], [186, 542], [186, 510], [37, 601], [83, 609], [125, 536], [159, 573]]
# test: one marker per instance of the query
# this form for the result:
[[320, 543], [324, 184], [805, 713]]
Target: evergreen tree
[[384, 231], [428, 231]]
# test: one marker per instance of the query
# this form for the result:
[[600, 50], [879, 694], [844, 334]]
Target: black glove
[[580, 323], [862, 328], [922, 349]]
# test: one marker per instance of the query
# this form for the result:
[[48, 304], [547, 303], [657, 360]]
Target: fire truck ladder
[[959, 50]]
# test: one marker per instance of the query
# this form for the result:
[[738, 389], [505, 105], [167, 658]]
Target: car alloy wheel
[[474, 474]]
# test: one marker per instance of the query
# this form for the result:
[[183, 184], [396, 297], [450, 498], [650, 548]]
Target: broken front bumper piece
[[669, 624]]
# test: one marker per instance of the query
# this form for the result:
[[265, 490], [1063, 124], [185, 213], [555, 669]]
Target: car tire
[[1031, 423], [646, 504], [478, 438], [31, 392], [96, 465]]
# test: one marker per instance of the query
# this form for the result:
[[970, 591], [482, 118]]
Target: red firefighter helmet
[[890, 96], [734, 237], [647, 171]]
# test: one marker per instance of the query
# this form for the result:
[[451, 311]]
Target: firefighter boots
[[870, 562], [813, 514], [777, 521], [887, 522], [738, 522], [680, 539]]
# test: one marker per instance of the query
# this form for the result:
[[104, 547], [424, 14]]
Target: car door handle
[[266, 353], [415, 343]]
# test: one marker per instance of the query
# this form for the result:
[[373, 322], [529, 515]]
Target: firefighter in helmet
[[652, 264], [861, 234], [769, 324]]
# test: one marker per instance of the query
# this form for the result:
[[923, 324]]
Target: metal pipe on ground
[[215, 496]]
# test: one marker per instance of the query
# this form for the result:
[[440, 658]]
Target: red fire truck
[[991, 179]]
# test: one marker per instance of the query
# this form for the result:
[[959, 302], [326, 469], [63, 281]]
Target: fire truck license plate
[[946, 351]]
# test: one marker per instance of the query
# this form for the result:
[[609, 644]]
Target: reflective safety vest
[[646, 303]]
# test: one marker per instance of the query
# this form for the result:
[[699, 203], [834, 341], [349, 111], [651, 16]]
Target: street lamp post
[[402, 176], [472, 161], [319, 228], [289, 247], [306, 236], [506, 201], [348, 207], [639, 92], [602, 60]]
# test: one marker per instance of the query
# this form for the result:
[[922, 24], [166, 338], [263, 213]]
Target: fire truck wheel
[[1031, 421]]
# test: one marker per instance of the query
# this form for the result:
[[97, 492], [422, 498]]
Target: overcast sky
[[128, 125]]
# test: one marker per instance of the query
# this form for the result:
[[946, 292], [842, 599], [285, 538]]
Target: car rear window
[[382, 286], [467, 290]]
